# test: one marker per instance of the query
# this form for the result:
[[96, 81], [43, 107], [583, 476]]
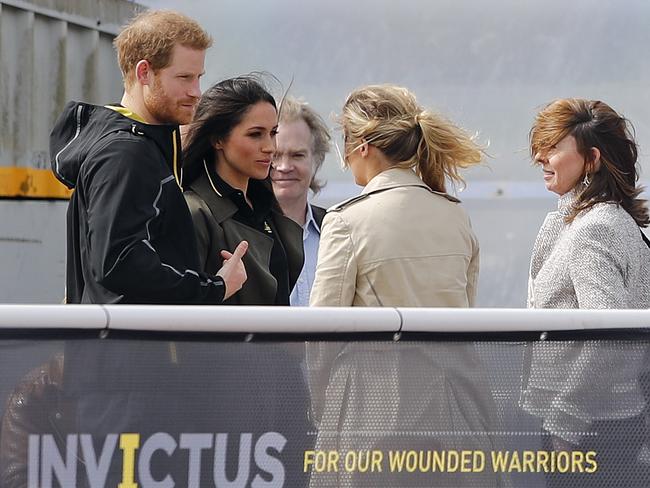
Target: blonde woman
[[404, 241]]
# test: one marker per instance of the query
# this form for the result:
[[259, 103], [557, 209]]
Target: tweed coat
[[599, 261]]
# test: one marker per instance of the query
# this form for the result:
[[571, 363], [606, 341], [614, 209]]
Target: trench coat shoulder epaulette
[[346, 203], [341, 205]]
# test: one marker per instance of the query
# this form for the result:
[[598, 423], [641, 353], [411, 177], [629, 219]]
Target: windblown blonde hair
[[152, 35], [389, 118]]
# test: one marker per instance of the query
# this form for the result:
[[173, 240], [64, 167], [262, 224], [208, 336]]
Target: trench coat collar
[[399, 177]]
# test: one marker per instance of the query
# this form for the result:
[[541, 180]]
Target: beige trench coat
[[397, 244]]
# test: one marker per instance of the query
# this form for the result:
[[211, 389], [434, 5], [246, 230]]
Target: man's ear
[[143, 72]]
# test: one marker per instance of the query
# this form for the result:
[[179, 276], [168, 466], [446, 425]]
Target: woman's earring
[[586, 180]]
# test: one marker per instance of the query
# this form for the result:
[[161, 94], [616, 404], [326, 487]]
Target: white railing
[[312, 320]]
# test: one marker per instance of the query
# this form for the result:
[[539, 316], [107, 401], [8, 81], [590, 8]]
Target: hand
[[233, 271]]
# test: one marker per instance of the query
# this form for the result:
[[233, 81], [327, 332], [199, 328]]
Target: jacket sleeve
[[201, 230], [472, 273], [602, 383], [597, 266], [336, 270], [124, 188]]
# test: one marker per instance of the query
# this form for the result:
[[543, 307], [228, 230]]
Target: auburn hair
[[152, 35], [594, 124]]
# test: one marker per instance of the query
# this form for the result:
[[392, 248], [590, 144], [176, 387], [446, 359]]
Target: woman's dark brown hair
[[594, 124], [220, 109]]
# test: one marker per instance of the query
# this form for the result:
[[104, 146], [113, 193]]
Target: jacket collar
[[81, 125], [166, 136], [399, 177], [221, 208], [216, 194], [318, 213], [566, 202]]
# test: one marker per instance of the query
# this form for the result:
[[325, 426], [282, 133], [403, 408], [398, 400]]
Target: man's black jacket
[[129, 232]]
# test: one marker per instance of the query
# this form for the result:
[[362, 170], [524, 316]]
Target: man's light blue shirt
[[310, 238]]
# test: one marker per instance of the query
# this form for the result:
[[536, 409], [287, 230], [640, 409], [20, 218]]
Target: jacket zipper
[[177, 177]]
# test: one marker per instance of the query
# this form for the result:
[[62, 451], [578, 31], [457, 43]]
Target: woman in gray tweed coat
[[589, 254]]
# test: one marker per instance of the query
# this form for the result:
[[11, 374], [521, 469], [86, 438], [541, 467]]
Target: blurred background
[[488, 66]]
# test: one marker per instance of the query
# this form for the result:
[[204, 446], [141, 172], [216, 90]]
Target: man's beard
[[163, 108]]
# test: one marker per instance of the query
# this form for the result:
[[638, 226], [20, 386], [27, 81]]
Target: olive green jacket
[[216, 230]]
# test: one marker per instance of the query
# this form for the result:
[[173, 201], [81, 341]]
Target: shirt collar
[[222, 188], [396, 177], [261, 198], [310, 222]]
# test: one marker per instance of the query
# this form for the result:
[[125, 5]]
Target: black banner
[[152, 410]]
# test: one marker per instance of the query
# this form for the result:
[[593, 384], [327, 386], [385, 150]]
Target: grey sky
[[486, 65]]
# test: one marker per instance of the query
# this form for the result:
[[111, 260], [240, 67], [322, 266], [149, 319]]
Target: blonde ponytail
[[389, 118], [443, 149]]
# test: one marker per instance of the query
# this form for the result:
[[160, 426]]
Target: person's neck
[[375, 165], [235, 180], [296, 210], [135, 103]]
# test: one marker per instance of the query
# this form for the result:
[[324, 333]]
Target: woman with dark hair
[[589, 254], [227, 157]]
